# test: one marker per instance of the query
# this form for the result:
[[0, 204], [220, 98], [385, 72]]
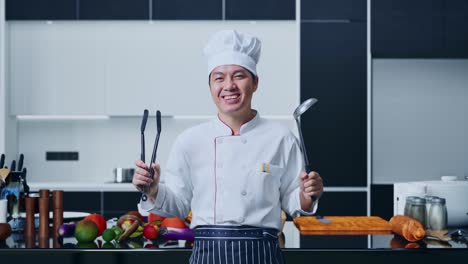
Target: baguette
[[409, 228]]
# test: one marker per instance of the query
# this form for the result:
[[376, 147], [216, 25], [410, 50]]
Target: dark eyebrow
[[240, 71], [217, 73]]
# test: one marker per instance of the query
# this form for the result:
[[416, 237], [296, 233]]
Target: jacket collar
[[223, 129]]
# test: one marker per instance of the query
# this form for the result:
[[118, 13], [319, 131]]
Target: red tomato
[[99, 220], [150, 232]]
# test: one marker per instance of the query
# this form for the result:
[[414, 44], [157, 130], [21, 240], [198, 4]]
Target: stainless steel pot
[[123, 175]]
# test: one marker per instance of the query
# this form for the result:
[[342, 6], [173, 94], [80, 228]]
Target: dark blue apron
[[235, 245]]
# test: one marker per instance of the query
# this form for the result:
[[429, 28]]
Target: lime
[[108, 245], [108, 235], [118, 231]]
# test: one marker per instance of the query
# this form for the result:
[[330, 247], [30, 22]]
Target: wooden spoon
[[439, 234], [4, 174]]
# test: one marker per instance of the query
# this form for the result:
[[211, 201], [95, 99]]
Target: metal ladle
[[301, 109]]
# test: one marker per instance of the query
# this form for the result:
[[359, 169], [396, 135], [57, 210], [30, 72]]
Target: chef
[[235, 173]]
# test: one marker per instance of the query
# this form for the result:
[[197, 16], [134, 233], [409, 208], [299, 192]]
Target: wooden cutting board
[[343, 225]]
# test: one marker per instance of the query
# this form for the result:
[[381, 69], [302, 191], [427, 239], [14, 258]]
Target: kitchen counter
[[382, 249], [181, 255], [82, 186]]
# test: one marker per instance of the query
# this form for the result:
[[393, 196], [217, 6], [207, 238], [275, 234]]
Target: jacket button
[[220, 141], [244, 193], [243, 140]]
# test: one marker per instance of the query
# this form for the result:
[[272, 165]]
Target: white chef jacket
[[232, 180]]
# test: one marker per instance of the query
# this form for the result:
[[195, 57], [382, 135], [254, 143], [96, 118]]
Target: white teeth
[[230, 97]]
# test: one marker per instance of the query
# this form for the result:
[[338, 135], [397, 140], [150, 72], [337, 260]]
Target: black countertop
[[378, 249]]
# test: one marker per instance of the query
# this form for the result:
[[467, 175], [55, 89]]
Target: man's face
[[232, 87]]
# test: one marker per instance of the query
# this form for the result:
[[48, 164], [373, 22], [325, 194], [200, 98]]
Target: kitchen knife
[[13, 166], [20, 162]]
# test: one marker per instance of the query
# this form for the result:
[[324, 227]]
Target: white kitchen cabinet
[[119, 68], [55, 69], [171, 75], [155, 67]]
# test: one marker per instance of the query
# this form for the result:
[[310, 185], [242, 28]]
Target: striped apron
[[235, 244]]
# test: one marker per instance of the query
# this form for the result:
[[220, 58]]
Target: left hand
[[311, 185]]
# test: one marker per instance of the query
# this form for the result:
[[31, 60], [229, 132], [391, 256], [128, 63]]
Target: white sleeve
[[290, 182], [175, 186]]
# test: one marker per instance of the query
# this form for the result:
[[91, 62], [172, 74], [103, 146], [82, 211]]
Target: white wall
[[8, 143], [420, 119], [2, 77]]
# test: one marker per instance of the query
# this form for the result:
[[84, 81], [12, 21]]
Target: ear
[[255, 84]]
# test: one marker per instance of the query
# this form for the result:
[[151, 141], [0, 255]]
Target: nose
[[230, 84]]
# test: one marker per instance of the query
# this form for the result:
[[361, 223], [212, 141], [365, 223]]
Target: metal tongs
[[155, 148]]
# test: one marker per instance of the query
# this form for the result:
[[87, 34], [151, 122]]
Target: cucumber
[[66, 230]]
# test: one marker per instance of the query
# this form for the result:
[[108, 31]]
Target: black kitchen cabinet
[[117, 204], [456, 7], [419, 29], [407, 37], [334, 70], [260, 9], [89, 202], [109, 204], [187, 9], [413, 8], [353, 10], [343, 204], [382, 200], [114, 9], [333, 241], [407, 29], [456, 36], [41, 9]]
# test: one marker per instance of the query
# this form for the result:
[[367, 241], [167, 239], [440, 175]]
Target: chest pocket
[[266, 180]]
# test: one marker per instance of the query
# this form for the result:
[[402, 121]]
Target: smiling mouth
[[228, 97]]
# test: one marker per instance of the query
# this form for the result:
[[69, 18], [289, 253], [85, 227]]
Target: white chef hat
[[227, 47]]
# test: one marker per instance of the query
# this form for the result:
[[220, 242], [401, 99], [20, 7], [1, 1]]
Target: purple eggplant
[[66, 230], [172, 233]]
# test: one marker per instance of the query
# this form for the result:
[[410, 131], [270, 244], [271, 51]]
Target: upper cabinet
[[114, 9], [333, 70], [153, 9], [187, 9], [41, 9], [419, 29], [261, 9], [352, 10], [55, 69]]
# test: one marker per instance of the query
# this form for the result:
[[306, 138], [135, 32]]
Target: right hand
[[143, 182]]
